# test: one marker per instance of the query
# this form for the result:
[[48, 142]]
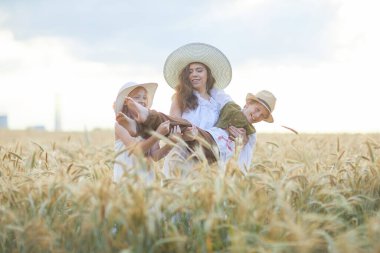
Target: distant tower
[[58, 125], [3, 121]]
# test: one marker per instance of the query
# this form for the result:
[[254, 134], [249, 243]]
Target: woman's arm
[[175, 110]]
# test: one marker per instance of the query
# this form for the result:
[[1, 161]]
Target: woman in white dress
[[198, 72], [130, 150]]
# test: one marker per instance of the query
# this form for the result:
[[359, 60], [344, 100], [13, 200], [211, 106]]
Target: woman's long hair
[[184, 90]]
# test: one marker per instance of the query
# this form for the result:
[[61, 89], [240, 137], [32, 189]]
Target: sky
[[319, 57]]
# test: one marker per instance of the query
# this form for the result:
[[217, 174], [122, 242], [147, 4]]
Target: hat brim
[[198, 52], [124, 92], [250, 96]]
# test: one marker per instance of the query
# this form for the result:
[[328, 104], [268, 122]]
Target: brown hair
[[184, 90]]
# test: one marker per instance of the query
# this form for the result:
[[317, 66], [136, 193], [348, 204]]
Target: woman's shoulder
[[220, 96]]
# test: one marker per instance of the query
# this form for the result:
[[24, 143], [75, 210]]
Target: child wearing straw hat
[[258, 108], [129, 148]]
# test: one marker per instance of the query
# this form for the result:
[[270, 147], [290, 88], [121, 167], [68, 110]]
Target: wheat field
[[304, 193]]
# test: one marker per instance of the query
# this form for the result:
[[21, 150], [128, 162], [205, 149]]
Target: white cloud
[[337, 94], [357, 32], [227, 10], [319, 57], [34, 71], [321, 98]]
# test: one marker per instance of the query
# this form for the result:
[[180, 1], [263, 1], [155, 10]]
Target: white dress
[[126, 163], [207, 112], [204, 116]]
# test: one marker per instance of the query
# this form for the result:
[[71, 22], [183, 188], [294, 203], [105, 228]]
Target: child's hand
[[164, 128], [190, 133], [238, 132]]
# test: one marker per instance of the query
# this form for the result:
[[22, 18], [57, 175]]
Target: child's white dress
[[129, 164]]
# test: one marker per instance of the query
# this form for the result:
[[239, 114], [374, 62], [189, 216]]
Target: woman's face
[[140, 95], [198, 76]]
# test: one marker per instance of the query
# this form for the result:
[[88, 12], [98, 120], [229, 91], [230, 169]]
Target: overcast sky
[[319, 57]]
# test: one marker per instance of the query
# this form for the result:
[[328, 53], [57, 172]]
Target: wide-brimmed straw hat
[[128, 87], [267, 99], [198, 52]]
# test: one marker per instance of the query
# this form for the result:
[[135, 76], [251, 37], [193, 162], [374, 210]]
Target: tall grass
[[304, 193]]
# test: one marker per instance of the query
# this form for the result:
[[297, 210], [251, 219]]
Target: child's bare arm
[[158, 153]]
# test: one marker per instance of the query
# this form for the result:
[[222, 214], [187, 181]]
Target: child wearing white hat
[[130, 148]]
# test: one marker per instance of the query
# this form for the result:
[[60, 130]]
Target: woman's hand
[[190, 133], [238, 132]]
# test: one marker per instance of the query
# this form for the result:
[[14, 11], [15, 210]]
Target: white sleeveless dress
[[129, 164]]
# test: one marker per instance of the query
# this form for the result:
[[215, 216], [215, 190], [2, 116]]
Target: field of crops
[[305, 193]]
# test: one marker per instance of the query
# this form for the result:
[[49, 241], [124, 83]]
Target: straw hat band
[[265, 104], [128, 87], [267, 99]]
